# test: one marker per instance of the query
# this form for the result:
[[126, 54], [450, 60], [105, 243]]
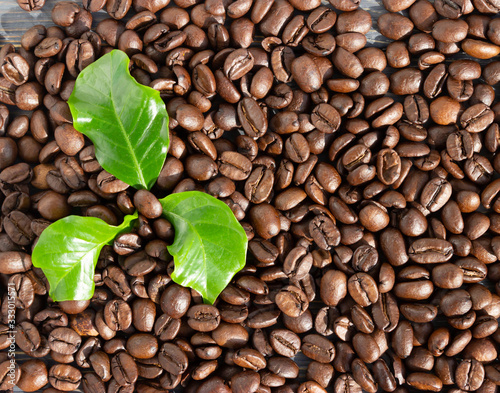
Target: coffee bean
[[175, 301], [31, 5], [172, 359], [124, 369], [469, 374], [385, 312], [203, 318], [64, 377], [449, 31], [430, 251], [447, 276], [363, 289], [424, 381], [333, 287], [285, 342], [394, 26], [34, 375], [292, 301], [476, 118], [366, 347], [147, 204], [249, 358], [101, 364], [274, 18], [118, 315], [142, 346], [325, 118], [12, 262], [318, 348], [17, 225], [402, 340], [306, 73], [15, 69], [64, 341]]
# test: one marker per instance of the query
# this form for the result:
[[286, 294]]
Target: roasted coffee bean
[[27, 337], [449, 31], [292, 301], [142, 346], [127, 244], [394, 26], [327, 321], [234, 166], [64, 341], [124, 369], [118, 315], [31, 5], [249, 358], [118, 8], [363, 289], [366, 347], [172, 359], [93, 5], [362, 376], [243, 381], [175, 301], [306, 73], [22, 290], [7, 92], [12, 262], [285, 342], [252, 118], [318, 348], [388, 166], [230, 335], [474, 270], [90, 346], [469, 375], [447, 276], [15, 69], [101, 364], [166, 328], [34, 375], [430, 251], [385, 312], [325, 118], [425, 381], [402, 340], [238, 63], [203, 318], [147, 204], [64, 377], [347, 63], [333, 287], [263, 317], [383, 375]]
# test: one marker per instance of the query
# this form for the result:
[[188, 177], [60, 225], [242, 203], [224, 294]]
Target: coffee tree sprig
[[128, 125]]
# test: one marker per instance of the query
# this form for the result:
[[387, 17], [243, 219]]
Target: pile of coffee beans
[[366, 180]]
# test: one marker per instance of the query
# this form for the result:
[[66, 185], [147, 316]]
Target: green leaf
[[210, 245], [126, 121], [67, 252]]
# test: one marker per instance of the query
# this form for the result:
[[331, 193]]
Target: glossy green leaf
[[126, 121], [210, 245], [67, 252]]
